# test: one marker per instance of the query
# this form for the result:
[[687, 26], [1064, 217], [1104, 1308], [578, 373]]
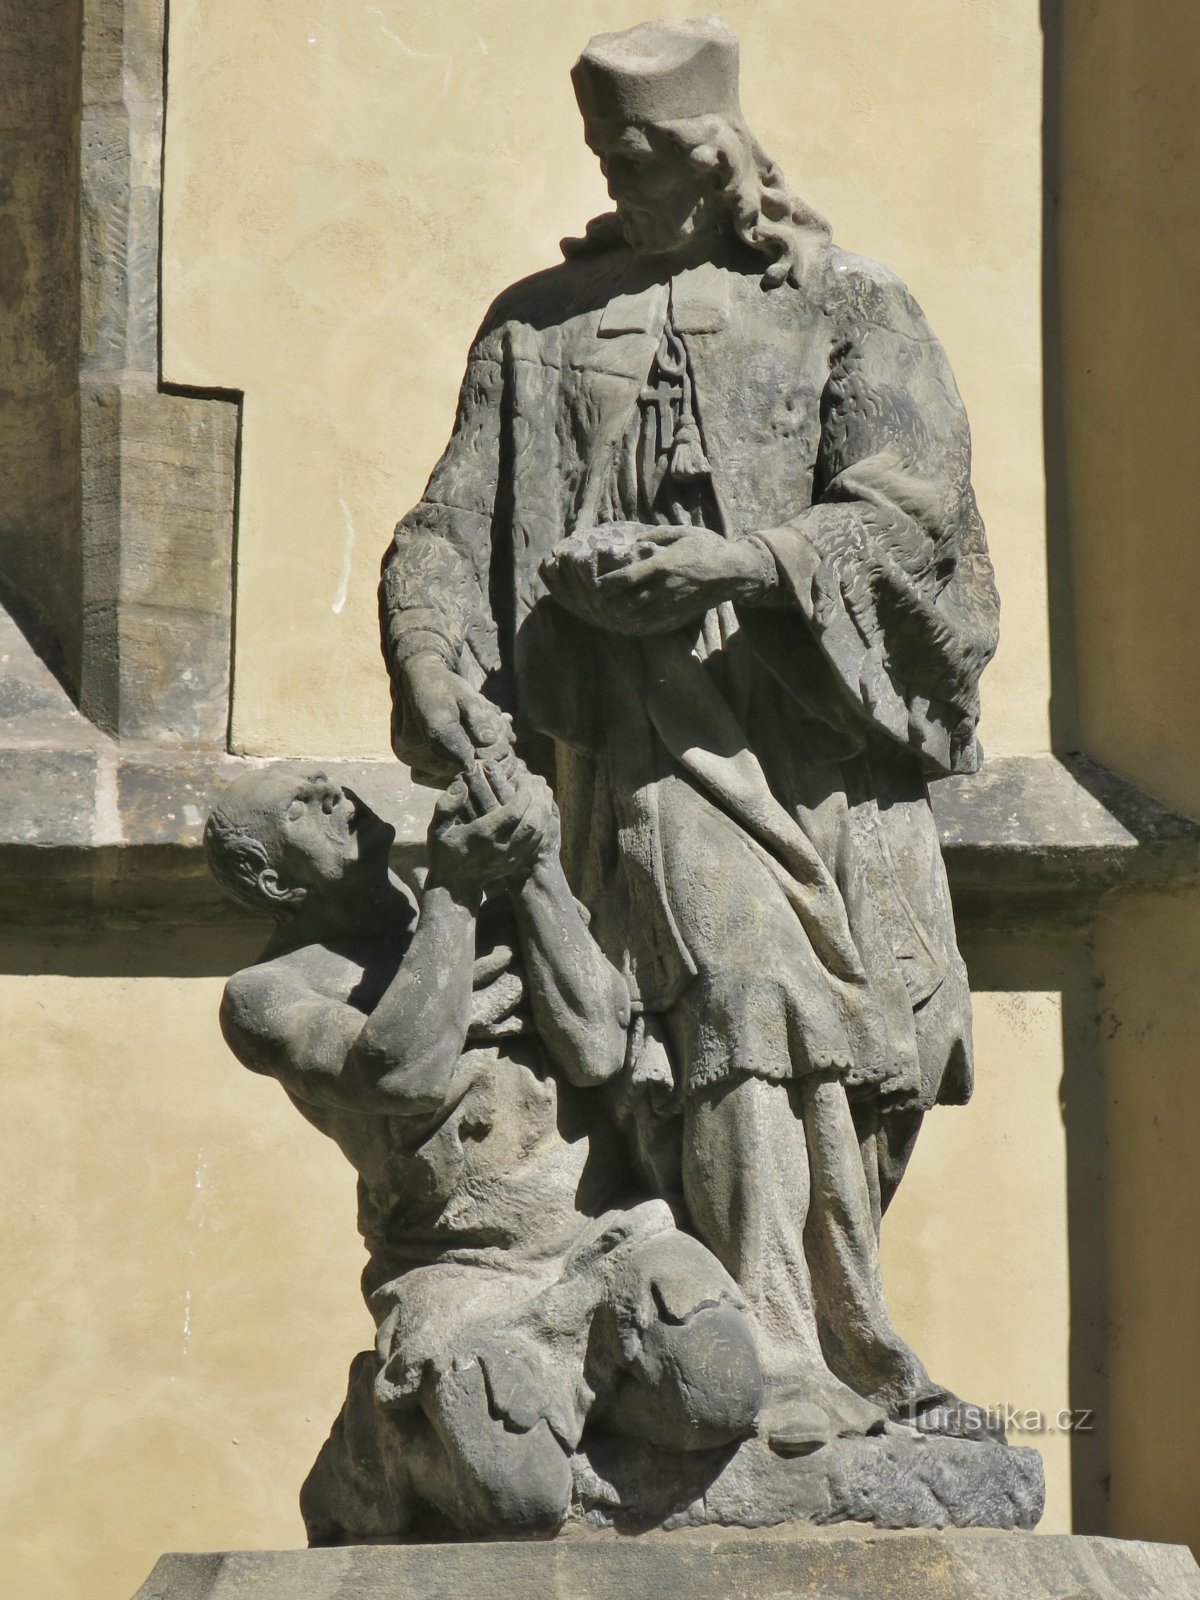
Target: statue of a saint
[[694, 605], [705, 531]]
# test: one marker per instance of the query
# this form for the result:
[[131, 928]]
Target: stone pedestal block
[[725, 1564]]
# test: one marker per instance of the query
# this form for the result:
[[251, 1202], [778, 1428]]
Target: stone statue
[[701, 560], [519, 1290], [705, 528]]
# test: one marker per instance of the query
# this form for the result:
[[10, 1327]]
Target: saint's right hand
[[455, 718]]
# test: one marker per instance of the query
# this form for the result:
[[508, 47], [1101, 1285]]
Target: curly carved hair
[[763, 211], [236, 857]]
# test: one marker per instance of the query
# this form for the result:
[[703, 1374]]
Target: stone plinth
[[832, 1564]]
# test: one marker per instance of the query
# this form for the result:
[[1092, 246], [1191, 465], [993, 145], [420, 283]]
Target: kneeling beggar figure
[[693, 606]]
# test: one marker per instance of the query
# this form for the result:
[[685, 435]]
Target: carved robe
[[744, 801]]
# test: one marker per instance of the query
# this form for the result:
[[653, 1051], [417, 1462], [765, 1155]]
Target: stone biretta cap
[[659, 72]]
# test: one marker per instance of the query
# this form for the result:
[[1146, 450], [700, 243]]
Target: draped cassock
[[744, 800]]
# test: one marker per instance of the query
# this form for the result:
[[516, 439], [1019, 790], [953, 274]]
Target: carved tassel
[[688, 460]]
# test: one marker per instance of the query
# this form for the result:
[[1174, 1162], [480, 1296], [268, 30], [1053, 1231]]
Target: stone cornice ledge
[[112, 837], [1037, 838]]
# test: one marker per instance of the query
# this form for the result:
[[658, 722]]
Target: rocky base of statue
[[394, 1483], [900, 1480], [852, 1564]]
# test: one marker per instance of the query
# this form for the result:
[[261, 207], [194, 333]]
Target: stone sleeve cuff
[[417, 639]]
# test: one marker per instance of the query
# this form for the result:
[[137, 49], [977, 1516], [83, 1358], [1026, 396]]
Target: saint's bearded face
[[660, 197]]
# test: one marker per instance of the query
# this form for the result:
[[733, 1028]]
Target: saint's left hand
[[689, 574]]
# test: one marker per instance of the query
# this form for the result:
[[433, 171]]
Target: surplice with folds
[[744, 801]]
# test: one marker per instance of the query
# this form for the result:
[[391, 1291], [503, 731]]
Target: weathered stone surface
[[705, 535], [157, 469], [553, 1348], [996, 879], [65, 779], [902, 1481], [704, 532], [528, 1291], [122, 181], [703, 550], [730, 1565], [158, 550], [117, 525], [1039, 837], [39, 320]]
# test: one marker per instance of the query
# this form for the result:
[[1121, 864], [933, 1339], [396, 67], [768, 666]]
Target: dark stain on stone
[[14, 264]]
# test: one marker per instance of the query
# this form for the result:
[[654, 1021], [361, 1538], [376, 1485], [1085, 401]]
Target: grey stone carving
[[519, 1288], [694, 605], [551, 1344]]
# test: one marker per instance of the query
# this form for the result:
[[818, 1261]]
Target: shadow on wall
[[1020, 968], [1064, 709], [157, 951], [118, 517], [40, 580], [1121, 257], [1122, 416]]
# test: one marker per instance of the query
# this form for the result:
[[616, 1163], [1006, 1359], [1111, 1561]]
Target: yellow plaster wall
[[975, 1254], [1148, 962], [348, 186], [1128, 379], [179, 1278]]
